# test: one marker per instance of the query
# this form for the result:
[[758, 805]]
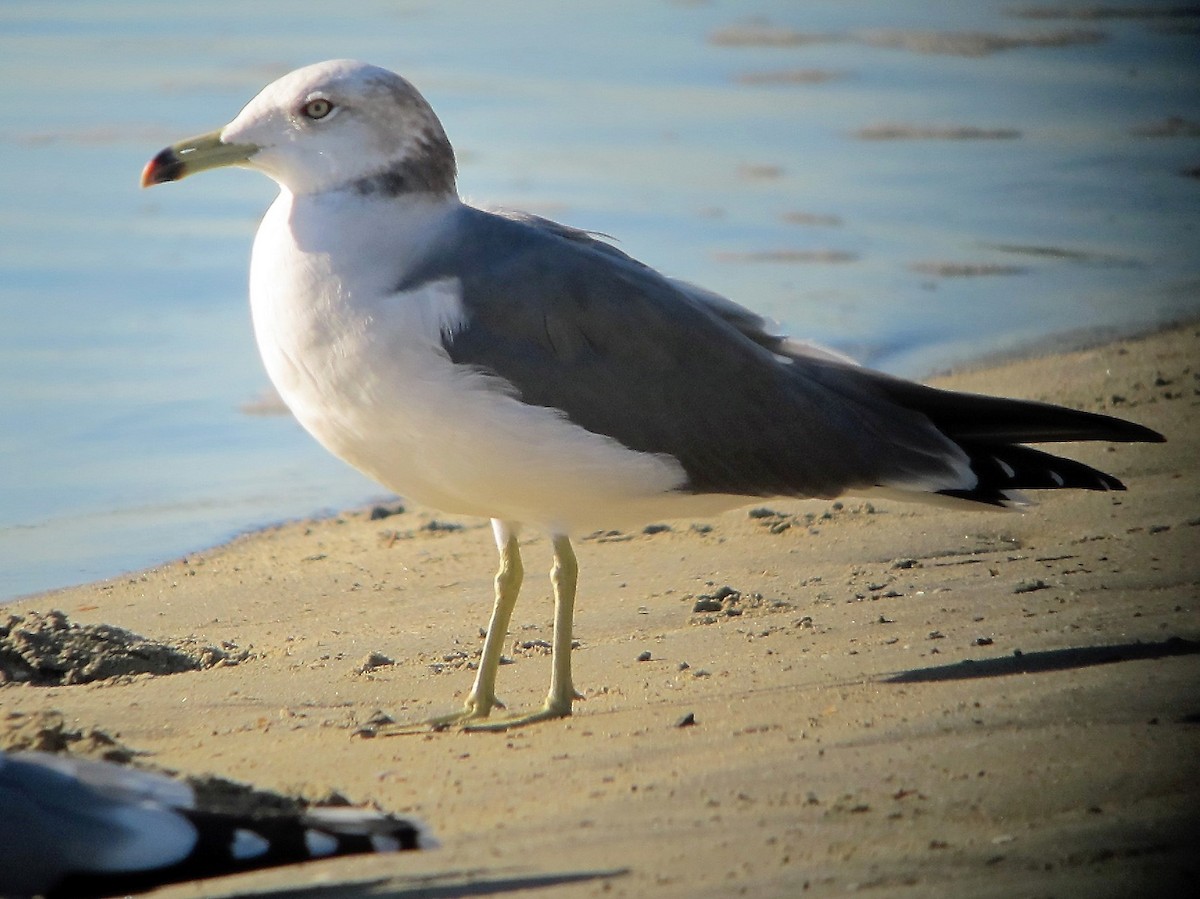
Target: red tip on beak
[[148, 174], [166, 166]]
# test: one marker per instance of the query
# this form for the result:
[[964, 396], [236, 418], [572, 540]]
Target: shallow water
[[734, 144]]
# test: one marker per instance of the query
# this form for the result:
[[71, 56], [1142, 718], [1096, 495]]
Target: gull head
[[337, 125]]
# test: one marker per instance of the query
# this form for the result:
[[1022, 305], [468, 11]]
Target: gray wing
[[53, 821], [75, 824], [574, 324], [119, 783], [750, 324]]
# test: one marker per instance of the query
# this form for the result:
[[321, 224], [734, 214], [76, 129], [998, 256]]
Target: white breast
[[363, 369]]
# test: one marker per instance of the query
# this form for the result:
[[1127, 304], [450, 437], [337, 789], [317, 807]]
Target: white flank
[[363, 369]]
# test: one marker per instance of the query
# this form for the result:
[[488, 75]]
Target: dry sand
[[902, 701]]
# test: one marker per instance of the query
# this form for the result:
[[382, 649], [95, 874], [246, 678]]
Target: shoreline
[[929, 702]]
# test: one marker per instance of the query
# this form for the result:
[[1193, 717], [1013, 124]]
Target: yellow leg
[[563, 576], [482, 698]]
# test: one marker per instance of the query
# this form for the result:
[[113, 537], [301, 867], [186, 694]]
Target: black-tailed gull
[[506, 366], [76, 827]]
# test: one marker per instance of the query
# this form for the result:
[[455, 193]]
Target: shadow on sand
[[1048, 660], [446, 885]]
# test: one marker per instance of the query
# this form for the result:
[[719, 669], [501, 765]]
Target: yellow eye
[[316, 109]]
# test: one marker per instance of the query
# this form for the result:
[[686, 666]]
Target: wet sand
[[898, 700]]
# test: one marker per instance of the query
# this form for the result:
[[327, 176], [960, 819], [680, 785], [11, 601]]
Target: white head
[[331, 126]]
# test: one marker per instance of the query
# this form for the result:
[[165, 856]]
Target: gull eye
[[316, 109]]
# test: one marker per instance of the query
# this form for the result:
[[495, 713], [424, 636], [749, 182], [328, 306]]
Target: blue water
[[126, 355]]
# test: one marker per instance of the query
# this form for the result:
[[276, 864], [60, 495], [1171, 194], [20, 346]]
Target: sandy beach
[[796, 698]]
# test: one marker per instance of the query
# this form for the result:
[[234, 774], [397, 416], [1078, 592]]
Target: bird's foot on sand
[[547, 712]]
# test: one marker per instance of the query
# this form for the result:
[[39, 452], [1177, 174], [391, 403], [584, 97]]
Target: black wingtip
[[1121, 430], [1003, 470]]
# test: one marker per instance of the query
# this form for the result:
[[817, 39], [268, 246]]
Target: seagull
[[501, 365], [81, 827]]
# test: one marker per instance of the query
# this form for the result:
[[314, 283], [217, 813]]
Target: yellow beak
[[195, 155]]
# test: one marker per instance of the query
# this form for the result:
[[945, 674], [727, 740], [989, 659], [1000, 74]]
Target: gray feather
[[574, 324], [569, 322]]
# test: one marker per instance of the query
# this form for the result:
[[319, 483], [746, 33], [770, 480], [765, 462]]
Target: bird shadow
[[1048, 660], [445, 885]]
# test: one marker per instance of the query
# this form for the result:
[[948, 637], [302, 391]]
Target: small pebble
[[371, 661], [378, 513], [1030, 586]]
